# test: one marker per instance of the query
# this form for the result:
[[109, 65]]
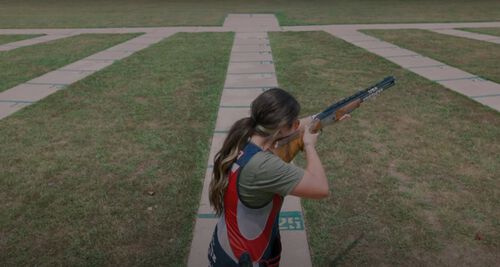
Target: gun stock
[[288, 152]]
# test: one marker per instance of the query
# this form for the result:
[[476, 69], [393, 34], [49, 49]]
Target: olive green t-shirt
[[265, 175]]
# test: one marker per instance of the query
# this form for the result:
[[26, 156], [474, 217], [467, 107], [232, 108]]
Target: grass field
[[4, 39], [129, 13], [78, 166], [108, 171], [489, 31], [25, 63], [477, 57], [413, 174]]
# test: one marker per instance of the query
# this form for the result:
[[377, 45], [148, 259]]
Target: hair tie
[[264, 130], [253, 121]]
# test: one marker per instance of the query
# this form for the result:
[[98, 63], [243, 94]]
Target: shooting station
[[114, 115]]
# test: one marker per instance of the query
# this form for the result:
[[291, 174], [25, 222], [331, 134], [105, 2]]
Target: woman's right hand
[[310, 139]]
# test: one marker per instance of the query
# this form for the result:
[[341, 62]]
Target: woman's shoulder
[[264, 160], [270, 173]]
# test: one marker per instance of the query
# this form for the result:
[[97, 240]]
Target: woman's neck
[[263, 142]]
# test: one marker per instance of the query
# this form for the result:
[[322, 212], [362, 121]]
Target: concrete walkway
[[36, 40], [483, 91], [250, 72], [31, 91], [470, 35]]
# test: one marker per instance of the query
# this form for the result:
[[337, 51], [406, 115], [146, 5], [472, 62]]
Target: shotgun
[[288, 147]]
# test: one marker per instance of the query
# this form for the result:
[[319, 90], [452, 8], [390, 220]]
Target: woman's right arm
[[314, 183]]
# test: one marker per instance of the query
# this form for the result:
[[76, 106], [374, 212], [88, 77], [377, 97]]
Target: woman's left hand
[[345, 117]]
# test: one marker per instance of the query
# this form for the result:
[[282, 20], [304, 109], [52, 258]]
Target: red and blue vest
[[246, 236]]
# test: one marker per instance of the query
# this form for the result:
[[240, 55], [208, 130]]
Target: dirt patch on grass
[[319, 62], [466, 254], [405, 181]]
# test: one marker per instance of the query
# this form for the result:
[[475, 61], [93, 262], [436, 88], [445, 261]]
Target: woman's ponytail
[[236, 140]]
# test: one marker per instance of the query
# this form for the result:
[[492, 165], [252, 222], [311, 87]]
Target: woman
[[249, 182]]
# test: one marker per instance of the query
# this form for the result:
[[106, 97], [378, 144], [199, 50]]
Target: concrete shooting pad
[[242, 97], [226, 117], [492, 101], [376, 45], [88, 65], [249, 57], [9, 107], [216, 145], [473, 87], [251, 41], [130, 47], [415, 61], [29, 92], [110, 55], [442, 72], [33, 41], [393, 52], [248, 80], [251, 48], [61, 77], [469, 35], [250, 67]]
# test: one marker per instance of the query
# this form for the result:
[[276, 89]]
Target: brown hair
[[270, 111]]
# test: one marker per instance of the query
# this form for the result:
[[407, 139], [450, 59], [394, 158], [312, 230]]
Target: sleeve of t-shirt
[[276, 176]]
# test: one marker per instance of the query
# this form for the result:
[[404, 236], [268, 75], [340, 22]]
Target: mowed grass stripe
[[77, 167], [114, 13], [477, 57], [4, 39], [413, 174], [26, 63], [488, 31]]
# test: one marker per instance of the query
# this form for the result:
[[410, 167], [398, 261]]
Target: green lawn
[[25, 63], [77, 166], [4, 39], [477, 57], [489, 31], [129, 13], [413, 174]]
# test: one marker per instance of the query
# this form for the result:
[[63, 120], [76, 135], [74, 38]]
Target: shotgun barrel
[[290, 146]]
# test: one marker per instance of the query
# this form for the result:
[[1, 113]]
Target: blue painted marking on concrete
[[291, 221], [288, 220]]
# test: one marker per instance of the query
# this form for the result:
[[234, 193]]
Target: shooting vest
[[246, 236]]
